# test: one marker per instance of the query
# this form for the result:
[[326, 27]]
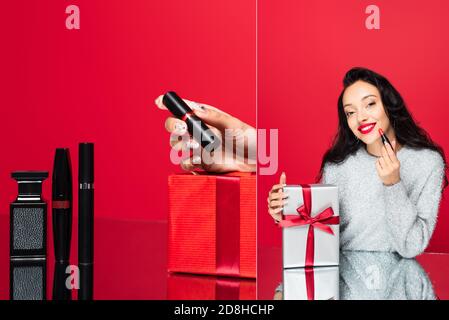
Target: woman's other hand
[[277, 199]]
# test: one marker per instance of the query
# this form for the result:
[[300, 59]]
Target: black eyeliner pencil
[[86, 220]]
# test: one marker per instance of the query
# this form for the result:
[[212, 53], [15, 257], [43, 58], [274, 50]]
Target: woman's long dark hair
[[407, 131]]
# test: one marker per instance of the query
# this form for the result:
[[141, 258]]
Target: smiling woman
[[389, 195]]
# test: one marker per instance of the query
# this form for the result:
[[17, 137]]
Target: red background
[[305, 48], [60, 87]]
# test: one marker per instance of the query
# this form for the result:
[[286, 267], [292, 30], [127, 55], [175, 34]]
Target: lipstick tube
[[196, 127], [384, 138]]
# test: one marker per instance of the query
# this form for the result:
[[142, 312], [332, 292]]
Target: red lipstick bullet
[[384, 138]]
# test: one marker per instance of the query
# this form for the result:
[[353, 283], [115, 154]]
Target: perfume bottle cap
[[29, 175], [30, 184], [86, 163]]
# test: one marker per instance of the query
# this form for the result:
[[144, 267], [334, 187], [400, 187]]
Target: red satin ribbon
[[320, 221], [310, 283], [228, 226], [227, 289]]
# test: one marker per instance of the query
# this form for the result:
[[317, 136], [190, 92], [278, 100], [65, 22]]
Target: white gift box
[[319, 283], [325, 250]]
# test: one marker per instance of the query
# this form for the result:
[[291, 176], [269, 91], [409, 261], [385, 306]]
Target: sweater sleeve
[[411, 224]]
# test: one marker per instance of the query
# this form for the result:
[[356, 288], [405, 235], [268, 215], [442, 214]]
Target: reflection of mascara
[[384, 138], [60, 290]]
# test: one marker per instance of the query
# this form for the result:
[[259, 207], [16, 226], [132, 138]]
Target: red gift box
[[212, 224], [190, 287]]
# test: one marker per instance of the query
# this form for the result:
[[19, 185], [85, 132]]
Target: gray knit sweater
[[398, 218], [382, 275]]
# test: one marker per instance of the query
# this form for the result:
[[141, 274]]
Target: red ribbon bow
[[304, 218]]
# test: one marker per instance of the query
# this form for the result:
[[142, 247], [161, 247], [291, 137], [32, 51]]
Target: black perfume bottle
[[28, 238]]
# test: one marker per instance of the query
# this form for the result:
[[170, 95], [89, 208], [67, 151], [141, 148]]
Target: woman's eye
[[349, 113], [371, 104]]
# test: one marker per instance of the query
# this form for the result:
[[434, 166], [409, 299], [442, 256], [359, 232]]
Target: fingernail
[[158, 100], [198, 107], [200, 111], [196, 160], [180, 128], [192, 144]]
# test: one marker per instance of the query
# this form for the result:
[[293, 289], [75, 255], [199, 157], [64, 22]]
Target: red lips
[[366, 128]]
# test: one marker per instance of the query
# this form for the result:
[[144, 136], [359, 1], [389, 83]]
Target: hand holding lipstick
[[223, 125], [388, 165]]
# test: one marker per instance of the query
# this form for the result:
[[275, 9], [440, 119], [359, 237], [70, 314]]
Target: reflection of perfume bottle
[[28, 238]]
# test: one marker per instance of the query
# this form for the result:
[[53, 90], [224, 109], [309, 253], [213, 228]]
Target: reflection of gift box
[[212, 224], [319, 283], [191, 287], [310, 235]]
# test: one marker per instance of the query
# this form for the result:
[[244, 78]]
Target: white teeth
[[367, 128]]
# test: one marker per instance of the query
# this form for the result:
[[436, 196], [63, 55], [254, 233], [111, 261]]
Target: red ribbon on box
[[320, 221], [227, 289], [228, 226], [228, 223], [310, 283]]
